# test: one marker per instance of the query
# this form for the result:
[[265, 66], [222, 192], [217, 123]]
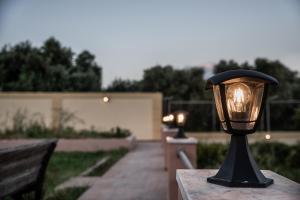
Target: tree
[[119, 85], [224, 65], [48, 68], [287, 78], [87, 72], [182, 84], [21, 67], [55, 54], [85, 61]]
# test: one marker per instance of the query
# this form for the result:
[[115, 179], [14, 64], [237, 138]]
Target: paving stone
[[139, 175]]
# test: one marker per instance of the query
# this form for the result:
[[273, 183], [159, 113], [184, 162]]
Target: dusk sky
[[130, 36]]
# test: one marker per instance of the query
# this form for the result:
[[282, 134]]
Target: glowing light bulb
[[180, 118], [238, 96], [268, 136]]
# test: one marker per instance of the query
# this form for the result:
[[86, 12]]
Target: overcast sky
[[129, 36]]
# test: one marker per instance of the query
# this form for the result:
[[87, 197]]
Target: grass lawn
[[114, 157], [68, 194], [64, 165]]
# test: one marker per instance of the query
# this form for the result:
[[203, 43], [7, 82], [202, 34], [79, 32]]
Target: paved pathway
[[139, 175]]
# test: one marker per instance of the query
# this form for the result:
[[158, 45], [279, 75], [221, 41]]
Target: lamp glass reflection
[[243, 101]]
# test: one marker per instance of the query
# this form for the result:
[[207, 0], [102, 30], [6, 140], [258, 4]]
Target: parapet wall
[[138, 112]]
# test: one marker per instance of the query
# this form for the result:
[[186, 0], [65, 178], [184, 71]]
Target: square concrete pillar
[[167, 132], [194, 186], [189, 146]]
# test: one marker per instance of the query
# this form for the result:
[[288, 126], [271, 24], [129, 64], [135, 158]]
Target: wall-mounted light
[[268, 136], [240, 96], [106, 99]]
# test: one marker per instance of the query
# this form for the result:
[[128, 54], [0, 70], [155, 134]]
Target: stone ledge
[[189, 140], [193, 186], [80, 144]]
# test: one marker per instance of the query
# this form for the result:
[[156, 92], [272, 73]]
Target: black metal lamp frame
[[180, 133], [239, 168]]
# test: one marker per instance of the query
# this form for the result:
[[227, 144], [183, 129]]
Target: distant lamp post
[[180, 121], [240, 96]]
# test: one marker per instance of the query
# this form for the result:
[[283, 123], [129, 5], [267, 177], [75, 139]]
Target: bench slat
[[22, 168], [18, 182], [16, 168], [18, 153]]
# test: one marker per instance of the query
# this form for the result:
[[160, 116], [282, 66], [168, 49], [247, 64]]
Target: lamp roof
[[231, 74]]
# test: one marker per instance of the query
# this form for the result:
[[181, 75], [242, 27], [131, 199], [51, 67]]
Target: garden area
[[37, 131], [65, 165], [26, 126], [278, 157]]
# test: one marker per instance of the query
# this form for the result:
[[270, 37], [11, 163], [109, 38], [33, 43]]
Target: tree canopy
[[50, 67], [189, 83], [183, 84]]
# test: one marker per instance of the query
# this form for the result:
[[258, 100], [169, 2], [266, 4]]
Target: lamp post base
[[229, 183], [180, 134], [239, 168]]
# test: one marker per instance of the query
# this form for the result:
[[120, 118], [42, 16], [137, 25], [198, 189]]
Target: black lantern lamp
[[240, 96], [180, 121]]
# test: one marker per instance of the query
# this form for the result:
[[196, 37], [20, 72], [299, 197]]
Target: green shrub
[[33, 126], [206, 152], [278, 157], [36, 130]]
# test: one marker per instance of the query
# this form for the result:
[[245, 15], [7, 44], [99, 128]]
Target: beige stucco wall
[[32, 109], [138, 112]]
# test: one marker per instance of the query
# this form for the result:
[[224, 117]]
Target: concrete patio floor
[[139, 175]]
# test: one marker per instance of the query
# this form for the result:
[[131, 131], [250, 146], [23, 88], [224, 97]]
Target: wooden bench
[[22, 169]]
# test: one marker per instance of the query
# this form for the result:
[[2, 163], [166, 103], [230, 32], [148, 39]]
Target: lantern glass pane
[[243, 100], [217, 96]]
